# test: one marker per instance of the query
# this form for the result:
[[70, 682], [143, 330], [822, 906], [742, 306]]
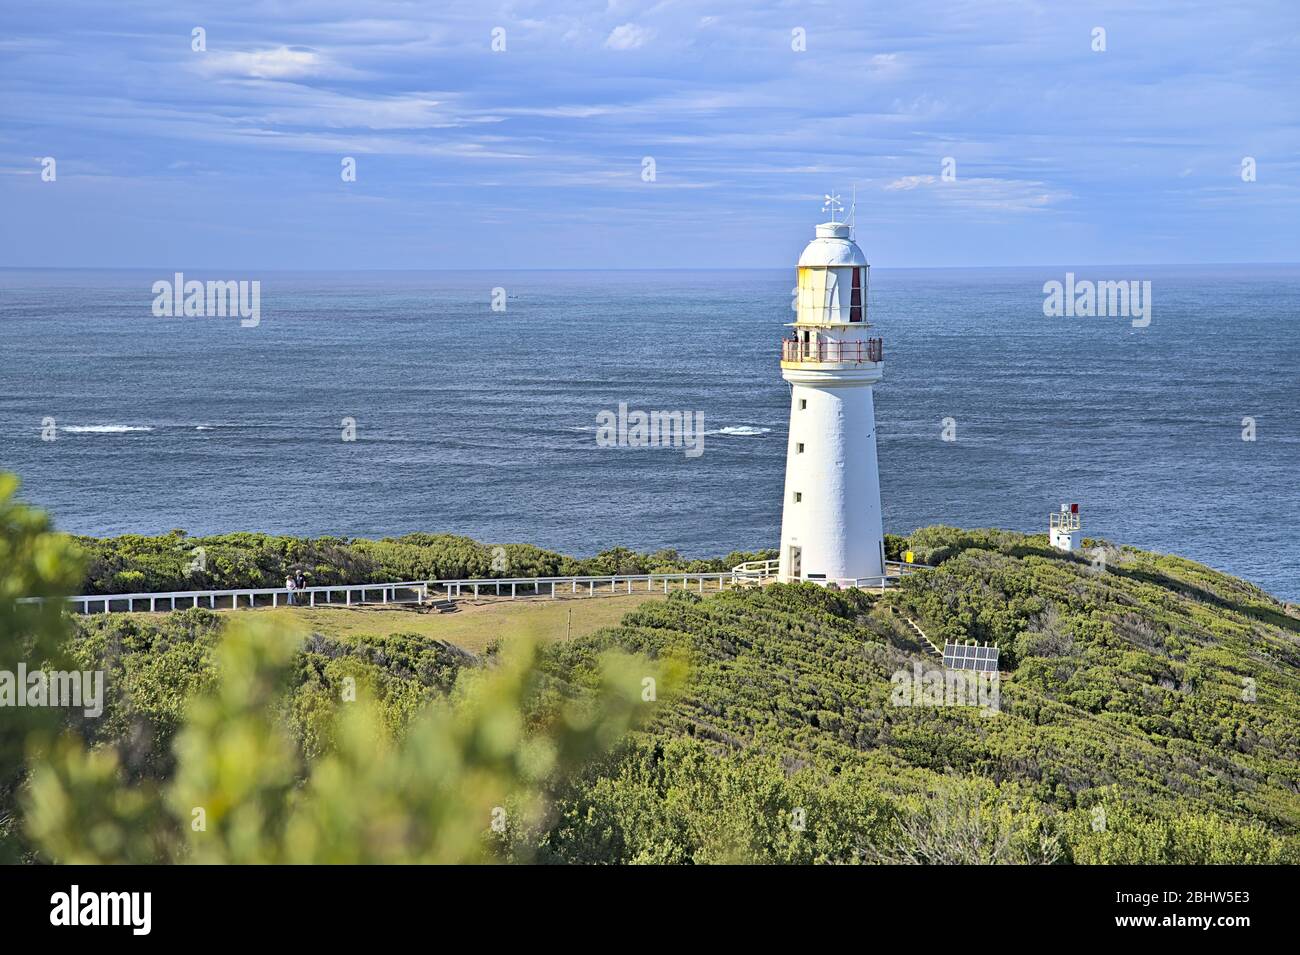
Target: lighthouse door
[[796, 562]]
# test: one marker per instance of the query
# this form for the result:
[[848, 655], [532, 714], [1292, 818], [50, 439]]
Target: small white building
[[831, 527], [1063, 529]]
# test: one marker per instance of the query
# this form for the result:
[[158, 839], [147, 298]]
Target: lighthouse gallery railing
[[870, 350]]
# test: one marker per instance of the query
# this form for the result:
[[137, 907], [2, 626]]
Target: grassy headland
[[1149, 709]]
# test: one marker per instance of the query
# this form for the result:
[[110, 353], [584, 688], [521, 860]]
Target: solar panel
[[970, 656]]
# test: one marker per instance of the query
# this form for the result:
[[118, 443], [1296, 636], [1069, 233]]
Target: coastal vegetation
[[135, 563], [1149, 712]]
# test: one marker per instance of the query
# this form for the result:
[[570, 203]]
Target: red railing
[[872, 349]]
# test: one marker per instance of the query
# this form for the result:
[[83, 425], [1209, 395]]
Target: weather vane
[[833, 205]]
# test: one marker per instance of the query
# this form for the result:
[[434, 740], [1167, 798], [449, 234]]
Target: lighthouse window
[[803, 404], [855, 299], [797, 497], [800, 447]]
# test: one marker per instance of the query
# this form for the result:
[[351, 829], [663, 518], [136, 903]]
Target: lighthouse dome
[[832, 248]]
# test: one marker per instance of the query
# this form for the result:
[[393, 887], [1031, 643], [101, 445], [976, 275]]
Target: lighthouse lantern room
[[831, 527]]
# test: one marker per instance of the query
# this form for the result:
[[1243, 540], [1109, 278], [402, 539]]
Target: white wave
[[736, 430], [102, 428], [203, 427]]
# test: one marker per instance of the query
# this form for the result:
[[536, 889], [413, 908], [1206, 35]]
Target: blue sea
[[483, 423]]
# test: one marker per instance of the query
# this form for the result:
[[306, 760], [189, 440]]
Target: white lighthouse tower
[[831, 527]]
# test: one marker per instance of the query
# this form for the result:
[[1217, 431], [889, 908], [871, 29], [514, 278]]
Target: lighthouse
[[831, 527]]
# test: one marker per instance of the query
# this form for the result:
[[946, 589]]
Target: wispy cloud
[[279, 63], [1006, 195], [736, 117], [628, 36], [910, 182]]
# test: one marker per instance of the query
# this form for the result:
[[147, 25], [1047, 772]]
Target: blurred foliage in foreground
[[467, 768], [33, 563], [467, 771]]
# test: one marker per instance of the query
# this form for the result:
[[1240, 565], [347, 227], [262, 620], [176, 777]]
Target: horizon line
[[718, 268]]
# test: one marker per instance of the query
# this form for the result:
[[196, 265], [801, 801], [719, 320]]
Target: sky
[[646, 134]]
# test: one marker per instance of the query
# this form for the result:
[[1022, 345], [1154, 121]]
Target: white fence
[[755, 571], [764, 571], [552, 586], [349, 595], [400, 592], [421, 591]]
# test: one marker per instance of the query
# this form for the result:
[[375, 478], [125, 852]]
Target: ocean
[[480, 422]]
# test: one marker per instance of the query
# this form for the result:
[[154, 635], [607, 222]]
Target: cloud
[[1053, 132], [280, 63], [1003, 195], [910, 182], [885, 64], [629, 36]]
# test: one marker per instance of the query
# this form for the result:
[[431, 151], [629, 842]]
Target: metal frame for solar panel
[[970, 656]]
